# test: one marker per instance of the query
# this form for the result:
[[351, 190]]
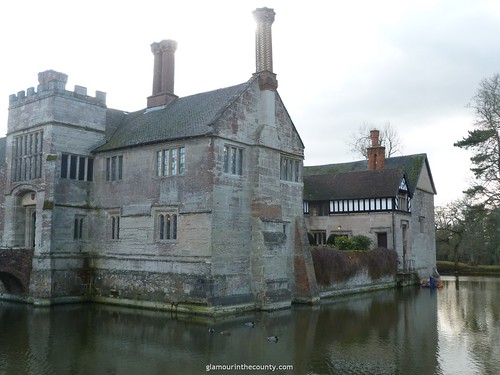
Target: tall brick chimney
[[163, 73], [376, 153], [264, 48]]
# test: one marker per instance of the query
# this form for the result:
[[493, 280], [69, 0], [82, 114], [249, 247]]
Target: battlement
[[51, 82]]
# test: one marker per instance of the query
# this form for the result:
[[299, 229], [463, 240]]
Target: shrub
[[332, 237], [343, 243], [359, 242]]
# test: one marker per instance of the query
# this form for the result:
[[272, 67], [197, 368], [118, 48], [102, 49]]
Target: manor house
[[197, 204], [192, 203], [388, 200]]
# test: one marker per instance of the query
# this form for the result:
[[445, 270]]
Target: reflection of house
[[389, 200], [193, 201]]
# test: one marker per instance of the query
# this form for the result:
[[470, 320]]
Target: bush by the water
[[331, 265], [359, 242]]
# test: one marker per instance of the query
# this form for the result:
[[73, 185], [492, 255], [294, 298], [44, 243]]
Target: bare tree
[[389, 138]]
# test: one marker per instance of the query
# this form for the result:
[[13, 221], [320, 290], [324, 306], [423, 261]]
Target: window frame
[[76, 167], [114, 168], [114, 226], [166, 225], [290, 169], [170, 161], [27, 156], [232, 160], [79, 228]]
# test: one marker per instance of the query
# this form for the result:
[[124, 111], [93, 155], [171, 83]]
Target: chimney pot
[[374, 135]]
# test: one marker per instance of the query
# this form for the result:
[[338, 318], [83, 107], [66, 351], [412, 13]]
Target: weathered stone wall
[[423, 233], [237, 237], [355, 224], [369, 225], [60, 278], [3, 185], [56, 105], [18, 264], [360, 282]]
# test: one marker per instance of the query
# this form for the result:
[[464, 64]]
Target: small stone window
[[319, 237], [115, 227], [78, 227], [421, 222], [289, 169], [114, 168], [167, 226], [233, 160]]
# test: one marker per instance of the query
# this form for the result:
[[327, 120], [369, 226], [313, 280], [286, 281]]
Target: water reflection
[[409, 331], [469, 325]]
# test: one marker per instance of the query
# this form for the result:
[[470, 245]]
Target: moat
[[455, 330]]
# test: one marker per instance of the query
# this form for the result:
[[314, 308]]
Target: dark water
[[455, 330]]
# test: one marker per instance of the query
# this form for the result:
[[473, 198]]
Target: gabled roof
[[412, 165], [350, 185], [186, 117]]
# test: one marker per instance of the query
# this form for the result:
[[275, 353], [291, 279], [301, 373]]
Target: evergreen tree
[[484, 141]]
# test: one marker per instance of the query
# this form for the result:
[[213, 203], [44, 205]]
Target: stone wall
[[360, 282]]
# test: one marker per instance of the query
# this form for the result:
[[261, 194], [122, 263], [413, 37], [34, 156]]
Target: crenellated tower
[[51, 132]]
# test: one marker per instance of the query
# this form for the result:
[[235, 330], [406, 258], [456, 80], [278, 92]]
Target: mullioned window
[[27, 158]]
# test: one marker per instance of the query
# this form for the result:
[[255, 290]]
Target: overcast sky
[[339, 64]]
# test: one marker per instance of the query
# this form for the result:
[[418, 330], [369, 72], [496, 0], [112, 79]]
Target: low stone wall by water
[[361, 282]]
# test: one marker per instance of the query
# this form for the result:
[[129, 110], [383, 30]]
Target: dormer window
[[403, 199]]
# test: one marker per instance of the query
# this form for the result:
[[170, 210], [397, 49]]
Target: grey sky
[[339, 64]]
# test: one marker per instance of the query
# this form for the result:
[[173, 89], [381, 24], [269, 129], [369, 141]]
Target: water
[[455, 330]]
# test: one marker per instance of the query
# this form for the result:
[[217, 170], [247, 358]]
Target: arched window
[[161, 226], [167, 226]]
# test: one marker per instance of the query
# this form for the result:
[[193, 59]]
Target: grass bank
[[462, 269]]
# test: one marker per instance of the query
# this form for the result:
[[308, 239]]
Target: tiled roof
[[411, 164], [185, 117], [350, 185]]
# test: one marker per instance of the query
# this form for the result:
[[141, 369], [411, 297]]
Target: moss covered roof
[[411, 165], [350, 185], [185, 117]]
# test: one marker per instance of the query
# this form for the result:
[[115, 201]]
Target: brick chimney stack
[[163, 73], [376, 153], [264, 48]]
